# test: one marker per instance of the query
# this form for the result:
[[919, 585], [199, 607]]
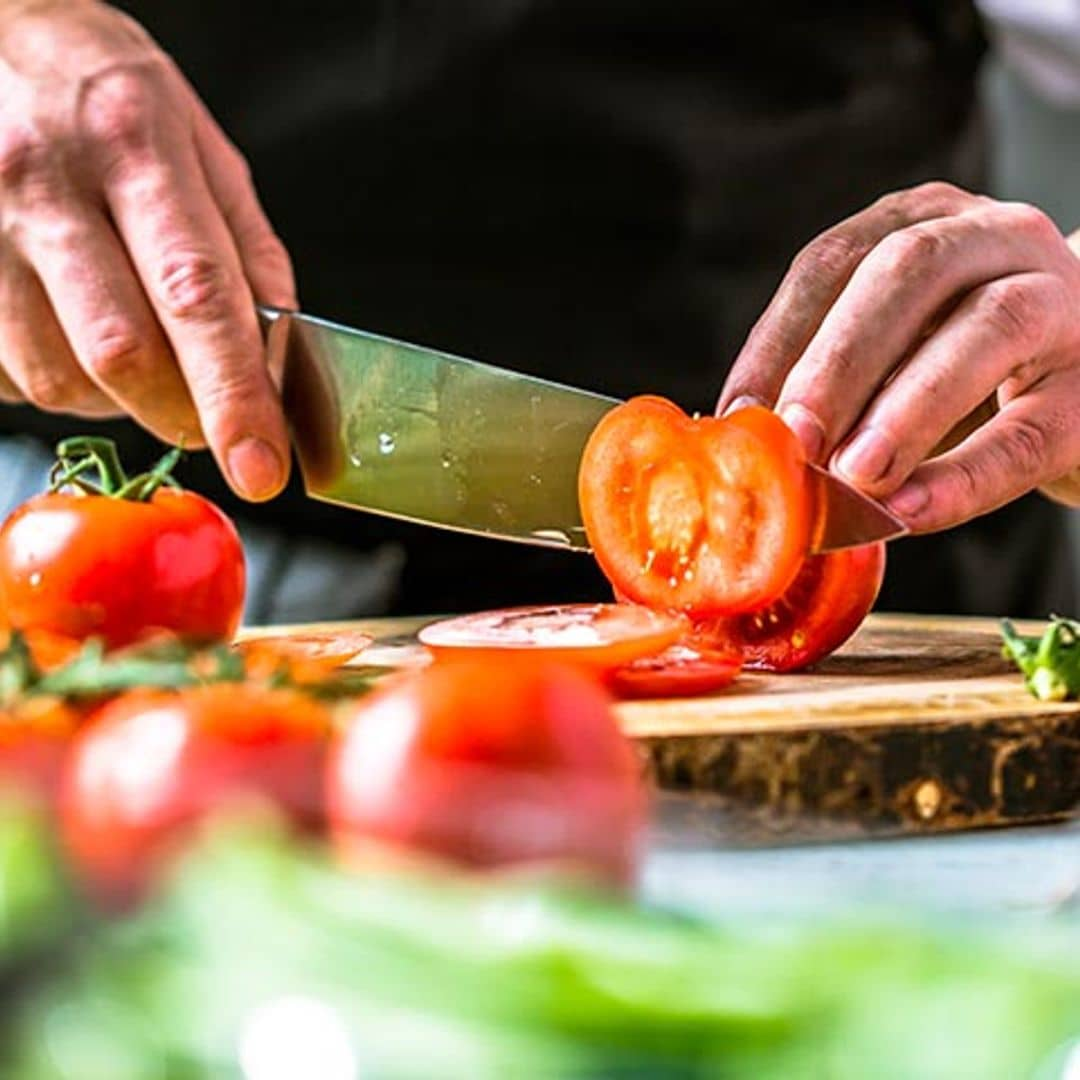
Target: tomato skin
[[594, 636], [825, 605], [150, 763], [679, 671], [489, 765], [87, 565], [705, 516], [35, 737]]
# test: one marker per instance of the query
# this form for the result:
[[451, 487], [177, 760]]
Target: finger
[[107, 320], [38, 364], [816, 278], [188, 264], [1032, 440], [265, 260], [898, 292], [995, 331]]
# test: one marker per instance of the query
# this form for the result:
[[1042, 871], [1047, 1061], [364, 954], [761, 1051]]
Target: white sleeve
[[1039, 39]]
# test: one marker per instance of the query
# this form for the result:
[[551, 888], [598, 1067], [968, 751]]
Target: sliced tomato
[[595, 635], [705, 516], [679, 671], [488, 765], [825, 605], [307, 656]]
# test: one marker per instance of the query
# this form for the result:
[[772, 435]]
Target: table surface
[[1032, 870], [1017, 871]]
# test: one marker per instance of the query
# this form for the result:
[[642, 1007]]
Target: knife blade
[[428, 437]]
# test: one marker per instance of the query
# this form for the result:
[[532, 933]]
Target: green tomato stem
[[89, 454]]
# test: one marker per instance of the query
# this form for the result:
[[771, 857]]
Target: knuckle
[[24, 155], [909, 204], [909, 251], [1014, 311], [1031, 220], [937, 192], [831, 255], [193, 286], [226, 399], [47, 392], [117, 106], [969, 481], [1024, 448], [116, 355]]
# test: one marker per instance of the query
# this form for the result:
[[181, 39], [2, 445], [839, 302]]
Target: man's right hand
[[132, 244]]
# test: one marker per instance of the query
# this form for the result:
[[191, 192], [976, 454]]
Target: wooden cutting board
[[917, 724]]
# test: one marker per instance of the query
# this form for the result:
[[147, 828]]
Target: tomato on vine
[[119, 558]]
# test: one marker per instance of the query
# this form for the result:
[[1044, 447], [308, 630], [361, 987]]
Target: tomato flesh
[[593, 635], [824, 606], [77, 566], [489, 765], [704, 516], [679, 671], [151, 762]]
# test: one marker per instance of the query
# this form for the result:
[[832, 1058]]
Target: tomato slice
[[706, 516], [679, 671], [308, 656], [596, 635], [824, 606]]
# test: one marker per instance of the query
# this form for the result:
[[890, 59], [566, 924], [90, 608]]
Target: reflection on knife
[[397, 429]]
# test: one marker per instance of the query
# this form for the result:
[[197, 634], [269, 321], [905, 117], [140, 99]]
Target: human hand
[[893, 326], [132, 244]]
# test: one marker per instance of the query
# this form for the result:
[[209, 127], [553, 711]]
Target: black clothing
[[604, 192]]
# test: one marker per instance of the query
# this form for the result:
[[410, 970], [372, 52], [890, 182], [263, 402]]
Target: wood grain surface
[[917, 725]]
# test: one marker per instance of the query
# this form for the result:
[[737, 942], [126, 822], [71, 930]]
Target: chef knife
[[413, 433]]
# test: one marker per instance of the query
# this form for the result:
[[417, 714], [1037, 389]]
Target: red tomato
[[151, 762], [598, 636], [35, 736], [489, 764], [822, 609], [93, 565], [707, 516], [679, 671]]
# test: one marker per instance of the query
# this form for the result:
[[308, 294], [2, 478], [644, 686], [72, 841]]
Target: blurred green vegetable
[[261, 961], [1050, 663], [36, 906]]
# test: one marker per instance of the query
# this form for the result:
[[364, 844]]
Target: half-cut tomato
[[600, 636], [679, 671], [706, 516], [824, 606]]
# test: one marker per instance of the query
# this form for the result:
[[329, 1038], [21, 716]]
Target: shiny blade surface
[[846, 517], [422, 435], [414, 433]]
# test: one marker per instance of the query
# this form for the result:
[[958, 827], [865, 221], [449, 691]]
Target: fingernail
[[806, 426], [255, 468], [910, 500], [868, 456], [743, 401]]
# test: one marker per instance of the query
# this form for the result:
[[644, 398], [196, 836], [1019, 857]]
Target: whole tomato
[[121, 560], [150, 763], [35, 736], [490, 764], [824, 606]]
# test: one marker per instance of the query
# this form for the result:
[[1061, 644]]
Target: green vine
[[90, 464]]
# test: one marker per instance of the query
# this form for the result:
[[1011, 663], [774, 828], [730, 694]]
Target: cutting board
[[917, 724]]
